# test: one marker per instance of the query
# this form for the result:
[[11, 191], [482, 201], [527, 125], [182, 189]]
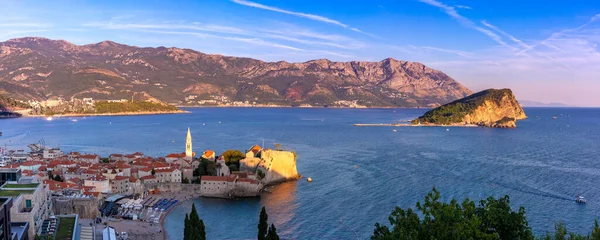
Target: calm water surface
[[359, 173]]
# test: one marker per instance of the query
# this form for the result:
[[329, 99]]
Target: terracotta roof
[[121, 178], [133, 179], [43, 168], [12, 165], [176, 155], [116, 155], [75, 180], [31, 163], [229, 178], [162, 170], [247, 180], [56, 185], [255, 149], [98, 177], [208, 153], [66, 162], [147, 177], [145, 169], [89, 156]]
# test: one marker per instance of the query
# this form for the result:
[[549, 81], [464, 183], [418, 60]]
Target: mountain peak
[[108, 70]]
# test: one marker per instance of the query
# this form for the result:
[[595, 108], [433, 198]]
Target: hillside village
[[45, 184]]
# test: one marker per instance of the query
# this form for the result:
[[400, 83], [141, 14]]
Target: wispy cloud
[[463, 7], [451, 11], [299, 14], [511, 37], [24, 25], [456, 52], [555, 35]]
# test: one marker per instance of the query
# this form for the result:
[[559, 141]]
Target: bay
[[359, 173]]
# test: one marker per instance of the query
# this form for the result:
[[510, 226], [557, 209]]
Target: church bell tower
[[188, 145]]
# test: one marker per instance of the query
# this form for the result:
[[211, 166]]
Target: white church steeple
[[188, 145]]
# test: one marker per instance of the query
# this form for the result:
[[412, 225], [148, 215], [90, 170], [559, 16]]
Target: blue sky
[[544, 50]]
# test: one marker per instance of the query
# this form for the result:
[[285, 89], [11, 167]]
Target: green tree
[[185, 180], [272, 234], [263, 225], [153, 172], [205, 168], [492, 219], [595, 231], [186, 228], [194, 226], [233, 157], [57, 178]]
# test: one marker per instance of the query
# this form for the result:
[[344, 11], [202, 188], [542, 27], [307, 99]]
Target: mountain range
[[34, 68]]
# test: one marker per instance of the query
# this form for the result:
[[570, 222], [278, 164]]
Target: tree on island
[[264, 231], [193, 228], [205, 168], [232, 158]]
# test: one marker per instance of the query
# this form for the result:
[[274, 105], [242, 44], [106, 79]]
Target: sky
[[545, 51]]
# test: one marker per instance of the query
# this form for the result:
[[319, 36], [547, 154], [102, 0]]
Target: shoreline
[[409, 125], [104, 114], [284, 106]]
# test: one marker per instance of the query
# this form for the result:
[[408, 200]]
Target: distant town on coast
[[64, 188]]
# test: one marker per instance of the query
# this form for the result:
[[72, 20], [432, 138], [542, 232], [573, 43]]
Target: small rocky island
[[497, 108]]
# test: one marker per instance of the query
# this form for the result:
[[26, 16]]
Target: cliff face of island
[[34, 68], [489, 108]]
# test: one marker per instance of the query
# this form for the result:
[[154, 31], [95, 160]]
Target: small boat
[[309, 179], [580, 199], [554, 117], [49, 119], [395, 130]]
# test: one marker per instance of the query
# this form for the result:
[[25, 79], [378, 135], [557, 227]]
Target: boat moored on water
[[580, 199]]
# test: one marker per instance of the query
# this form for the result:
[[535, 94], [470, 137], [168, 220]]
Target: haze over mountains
[[40, 68]]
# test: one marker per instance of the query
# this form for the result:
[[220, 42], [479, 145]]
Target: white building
[[172, 175], [52, 153], [99, 182], [31, 203]]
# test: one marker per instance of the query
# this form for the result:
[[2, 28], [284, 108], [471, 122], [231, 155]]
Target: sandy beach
[[139, 229], [107, 114]]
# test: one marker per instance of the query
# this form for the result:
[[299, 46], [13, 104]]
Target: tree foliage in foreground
[[193, 226], [490, 219], [264, 231]]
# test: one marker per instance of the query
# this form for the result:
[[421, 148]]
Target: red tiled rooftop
[[121, 178], [229, 178], [147, 177]]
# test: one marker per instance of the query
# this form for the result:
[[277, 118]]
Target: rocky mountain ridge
[[40, 68]]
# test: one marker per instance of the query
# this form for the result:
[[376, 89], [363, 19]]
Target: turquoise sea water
[[359, 173]]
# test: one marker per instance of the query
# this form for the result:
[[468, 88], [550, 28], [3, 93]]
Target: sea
[[359, 173]]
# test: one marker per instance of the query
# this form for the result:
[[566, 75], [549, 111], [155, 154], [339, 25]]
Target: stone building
[[99, 182], [84, 206], [168, 175], [229, 186], [277, 166]]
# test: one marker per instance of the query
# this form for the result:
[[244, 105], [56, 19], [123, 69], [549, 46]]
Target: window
[[28, 203]]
